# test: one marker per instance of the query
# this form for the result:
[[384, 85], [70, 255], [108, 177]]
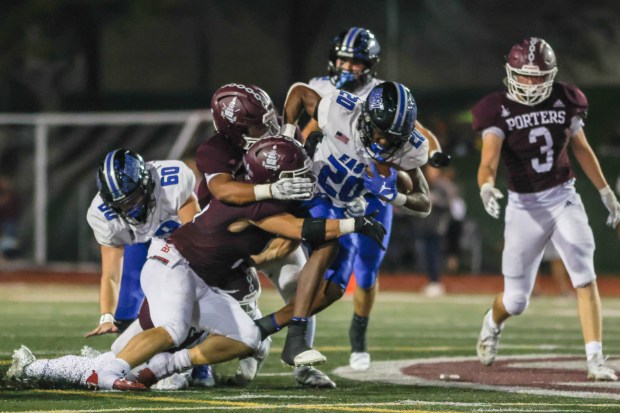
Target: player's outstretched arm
[[111, 270], [436, 158], [300, 97], [226, 189], [589, 163], [317, 230], [487, 171]]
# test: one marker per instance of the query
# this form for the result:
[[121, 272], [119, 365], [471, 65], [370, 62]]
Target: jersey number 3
[[546, 150]]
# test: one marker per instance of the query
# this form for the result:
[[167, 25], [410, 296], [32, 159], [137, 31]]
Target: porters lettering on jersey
[[528, 120]]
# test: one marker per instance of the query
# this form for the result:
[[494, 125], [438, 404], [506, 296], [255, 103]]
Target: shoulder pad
[[574, 95]]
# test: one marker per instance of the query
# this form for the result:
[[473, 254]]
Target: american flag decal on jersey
[[342, 138]]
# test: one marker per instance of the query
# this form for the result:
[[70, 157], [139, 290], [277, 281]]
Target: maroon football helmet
[[531, 57], [243, 113], [276, 157]]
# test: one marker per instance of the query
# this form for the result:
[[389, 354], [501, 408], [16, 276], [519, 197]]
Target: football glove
[[356, 208], [439, 159], [296, 189], [384, 187], [312, 141], [490, 195], [369, 226], [611, 203]]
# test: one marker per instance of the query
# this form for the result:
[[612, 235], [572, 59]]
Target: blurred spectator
[[431, 231], [10, 209], [458, 209]]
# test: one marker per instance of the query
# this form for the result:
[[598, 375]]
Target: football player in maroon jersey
[[242, 113], [530, 126], [181, 278]]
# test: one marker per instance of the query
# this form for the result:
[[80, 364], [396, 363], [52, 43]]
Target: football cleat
[[22, 357], [488, 341], [202, 376], [177, 381], [310, 357], [246, 371], [359, 361], [92, 382], [308, 376], [597, 370], [89, 352]]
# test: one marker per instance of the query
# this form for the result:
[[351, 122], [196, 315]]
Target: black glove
[[312, 141], [439, 160], [369, 226]]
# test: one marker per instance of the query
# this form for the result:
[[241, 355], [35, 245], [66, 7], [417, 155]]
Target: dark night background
[[112, 55]]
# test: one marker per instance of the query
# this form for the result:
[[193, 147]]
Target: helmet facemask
[[269, 127], [377, 151], [529, 94]]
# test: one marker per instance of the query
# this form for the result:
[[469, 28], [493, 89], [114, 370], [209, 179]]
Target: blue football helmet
[[390, 111], [126, 186], [358, 44]]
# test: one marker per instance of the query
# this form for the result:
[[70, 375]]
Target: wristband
[[289, 130], [347, 226], [262, 191], [106, 318], [399, 200]]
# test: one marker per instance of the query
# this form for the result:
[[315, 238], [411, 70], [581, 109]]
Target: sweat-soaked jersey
[[535, 138], [340, 157], [174, 183], [219, 238]]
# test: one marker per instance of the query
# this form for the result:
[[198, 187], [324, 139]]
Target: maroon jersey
[[212, 248], [216, 155], [536, 138]]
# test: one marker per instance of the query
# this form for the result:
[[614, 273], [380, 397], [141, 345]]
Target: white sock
[[114, 369], [593, 348], [492, 322], [181, 361]]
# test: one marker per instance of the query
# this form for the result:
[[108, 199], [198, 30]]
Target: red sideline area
[[609, 286]]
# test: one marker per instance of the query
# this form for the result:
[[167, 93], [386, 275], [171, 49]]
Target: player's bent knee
[[178, 332], [515, 303]]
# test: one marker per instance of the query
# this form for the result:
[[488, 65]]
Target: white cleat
[[309, 358], [359, 361], [89, 352], [308, 376], [177, 381], [488, 341], [597, 370], [22, 357]]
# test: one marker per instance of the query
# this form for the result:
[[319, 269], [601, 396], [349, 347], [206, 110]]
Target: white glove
[[490, 195], [356, 208], [293, 189], [611, 203]]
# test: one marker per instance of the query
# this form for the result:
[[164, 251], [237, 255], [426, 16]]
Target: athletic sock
[[593, 348], [115, 369], [357, 334], [267, 326]]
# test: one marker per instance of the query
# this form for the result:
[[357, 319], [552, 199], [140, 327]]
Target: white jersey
[[340, 157], [174, 183], [325, 87]]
